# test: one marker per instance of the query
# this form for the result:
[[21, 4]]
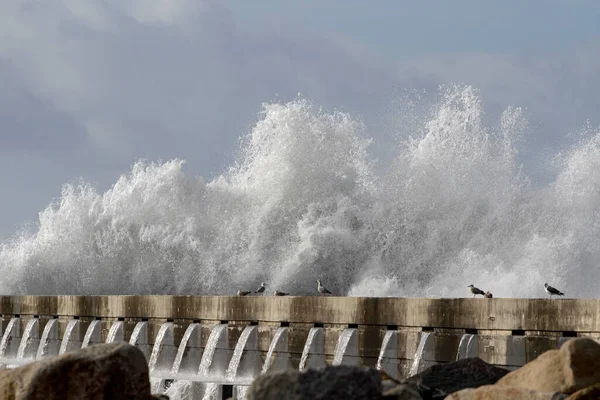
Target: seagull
[[551, 291], [262, 288], [322, 289], [278, 293], [475, 290], [487, 295], [243, 293]]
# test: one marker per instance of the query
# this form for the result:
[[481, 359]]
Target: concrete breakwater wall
[[244, 336]]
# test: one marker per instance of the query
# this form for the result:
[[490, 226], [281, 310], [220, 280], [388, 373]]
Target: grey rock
[[497, 392], [116, 371], [403, 392], [331, 383], [438, 381], [275, 385]]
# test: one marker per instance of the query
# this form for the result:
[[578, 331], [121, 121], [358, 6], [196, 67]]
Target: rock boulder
[[402, 392], [331, 383], [494, 392], [575, 366], [589, 393], [438, 381], [103, 371]]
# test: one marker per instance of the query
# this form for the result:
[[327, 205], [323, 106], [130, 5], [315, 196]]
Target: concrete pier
[[509, 332]]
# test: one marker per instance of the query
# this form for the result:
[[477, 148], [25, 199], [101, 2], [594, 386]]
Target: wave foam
[[305, 201]]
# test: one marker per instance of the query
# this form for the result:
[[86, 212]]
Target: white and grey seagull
[[322, 289], [552, 291], [278, 293], [475, 290], [262, 288]]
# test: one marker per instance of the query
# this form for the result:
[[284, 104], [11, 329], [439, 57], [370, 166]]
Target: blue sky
[[88, 87]]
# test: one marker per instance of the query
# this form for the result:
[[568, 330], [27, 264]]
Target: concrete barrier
[[510, 332]]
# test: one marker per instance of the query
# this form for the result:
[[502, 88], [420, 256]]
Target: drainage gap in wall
[[17, 315], [223, 321], [353, 326], [427, 329], [518, 332], [144, 319], [98, 318], [284, 324], [318, 325], [470, 331], [36, 316], [253, 323], [391, 327], [170, 320], [121, 319], [55, 317], [75, 316], [569, 334], [196, 321], [227, 391]]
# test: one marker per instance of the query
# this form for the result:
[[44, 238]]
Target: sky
[[87, 87]]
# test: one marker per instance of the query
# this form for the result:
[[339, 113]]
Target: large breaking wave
[[306, 200]]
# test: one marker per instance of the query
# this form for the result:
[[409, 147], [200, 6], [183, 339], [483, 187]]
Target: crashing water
[[306, 200]]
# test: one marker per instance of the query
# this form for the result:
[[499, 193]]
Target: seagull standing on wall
[[262, 288], [278, 293], [243, 293], [487, 295], [322, 289], [476, 291], [552, 291]]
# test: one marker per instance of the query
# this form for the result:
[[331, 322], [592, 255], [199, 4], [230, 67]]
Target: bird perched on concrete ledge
[[243, 293], [262, 288], [552, 291], [487, 295], [278, 293], [475, 290], [322, 289]]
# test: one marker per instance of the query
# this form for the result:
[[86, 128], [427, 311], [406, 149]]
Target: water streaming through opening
[[189, 352], [30, 342], [346, 350], [388, 354], [313, 355], [92, 334], [425, 354], [49, 342], [278, 357], [72, 337], [116, 332], [139, 338], [468, 346], [9, 345]]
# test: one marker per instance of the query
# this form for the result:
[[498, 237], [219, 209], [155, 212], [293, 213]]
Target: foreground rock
[[438, 381], [331, 383], [103, 371], [403, 392], [495, 392], [575, 366], [589, 393]]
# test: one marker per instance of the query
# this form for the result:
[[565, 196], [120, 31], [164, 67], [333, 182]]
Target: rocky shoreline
[[571, 372], [119, 371]]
